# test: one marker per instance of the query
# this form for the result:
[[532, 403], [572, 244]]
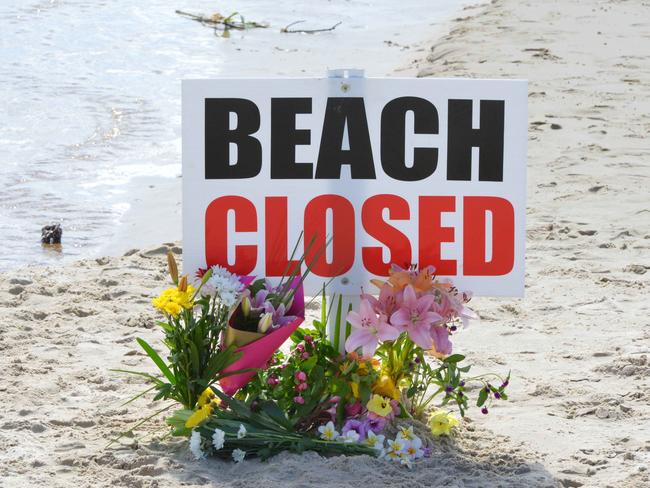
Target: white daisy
[[238, 455], [405, 460], [375, 441], [223, 284], [218, 438], [327, 431], [395, 449], [414, 448], [406, 433], [350, 437], [195, 445]]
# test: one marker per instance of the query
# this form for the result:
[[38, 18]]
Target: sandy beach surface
[[577, 344]]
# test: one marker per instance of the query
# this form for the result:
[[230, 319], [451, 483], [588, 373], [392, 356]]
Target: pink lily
[[441, 342], [452, 305], [389, 300], [369, 330], [416, 318]]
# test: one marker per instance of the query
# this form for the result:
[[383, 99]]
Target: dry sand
[[578, 344]]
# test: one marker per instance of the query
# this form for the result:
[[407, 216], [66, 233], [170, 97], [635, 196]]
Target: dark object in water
[[51, 234]]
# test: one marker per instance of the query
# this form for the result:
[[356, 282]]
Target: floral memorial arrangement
[[240, 394]]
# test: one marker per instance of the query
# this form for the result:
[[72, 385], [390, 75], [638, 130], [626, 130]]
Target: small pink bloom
[[352, 410], [416, 318], [301, 387], [300, 348], [301, 376], [272, 380], [309, 339], [335, 399], [369, 330], [305, 355], [299, 400]]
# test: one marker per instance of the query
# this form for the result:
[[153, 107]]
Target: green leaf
[[309, 363], [150, 377], [177, 422], [142, 393], [196, 362], [482, 397], [364, 392], [164, 369], [275, 412], [298, 336], [454, 358], [348, 325], [323, 308], [221, 361], [165, 326], [337, 324]]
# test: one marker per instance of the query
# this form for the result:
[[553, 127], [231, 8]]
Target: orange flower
[[421, 280]]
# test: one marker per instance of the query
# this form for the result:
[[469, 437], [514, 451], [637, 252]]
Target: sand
[[577, 344]]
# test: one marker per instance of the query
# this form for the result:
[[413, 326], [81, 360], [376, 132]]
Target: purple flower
[[357, 426], [257, 302], [375, 423], [278, 317]]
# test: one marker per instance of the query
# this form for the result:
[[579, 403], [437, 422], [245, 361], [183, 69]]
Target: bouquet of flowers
[[265, 319], [241, 396]]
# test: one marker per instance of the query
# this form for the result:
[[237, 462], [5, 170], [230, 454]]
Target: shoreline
[[164, 201], [120, 116], [577, 343]]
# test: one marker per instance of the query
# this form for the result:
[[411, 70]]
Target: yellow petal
[[199, 416]]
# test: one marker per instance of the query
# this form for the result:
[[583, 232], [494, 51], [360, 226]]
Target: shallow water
[[90, 106]]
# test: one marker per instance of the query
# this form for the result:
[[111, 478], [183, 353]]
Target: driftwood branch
[[219, 21], [287, 29]]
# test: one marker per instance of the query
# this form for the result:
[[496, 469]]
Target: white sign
[[426, 171]]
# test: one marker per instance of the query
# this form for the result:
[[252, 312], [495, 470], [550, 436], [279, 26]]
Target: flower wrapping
[[256, 354]]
